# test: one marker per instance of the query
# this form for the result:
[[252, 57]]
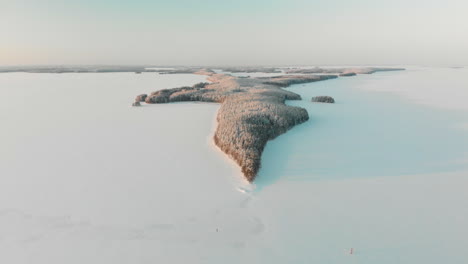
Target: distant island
[[253, 110]]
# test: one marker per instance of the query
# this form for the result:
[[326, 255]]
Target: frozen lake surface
[[87, 179]]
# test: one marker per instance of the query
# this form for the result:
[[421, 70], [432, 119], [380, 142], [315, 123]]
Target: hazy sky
[[234, 32]]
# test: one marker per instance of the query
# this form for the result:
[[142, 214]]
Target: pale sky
[[242, 32]]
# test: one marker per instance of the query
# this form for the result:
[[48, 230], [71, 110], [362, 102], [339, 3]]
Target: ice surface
[[85, 178]]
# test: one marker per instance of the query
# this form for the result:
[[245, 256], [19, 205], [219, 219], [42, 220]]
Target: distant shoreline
[[180, 69]]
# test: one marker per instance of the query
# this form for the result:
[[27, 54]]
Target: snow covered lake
[[85, 178]]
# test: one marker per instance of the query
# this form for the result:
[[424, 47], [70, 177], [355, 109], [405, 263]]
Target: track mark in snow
[[162, 226], [244, 203], [258, 226], [238, 245]]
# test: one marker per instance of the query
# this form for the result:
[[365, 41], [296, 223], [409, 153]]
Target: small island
[[323, 99]]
